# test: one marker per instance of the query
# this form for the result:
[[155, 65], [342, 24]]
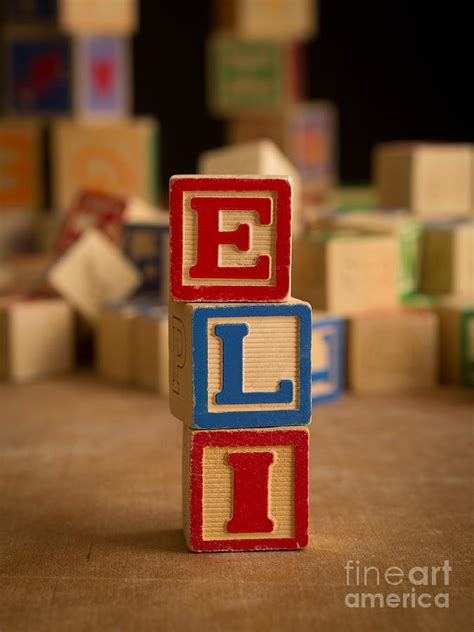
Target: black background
[[396, 70]]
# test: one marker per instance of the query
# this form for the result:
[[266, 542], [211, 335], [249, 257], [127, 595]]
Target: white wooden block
[[91, 272]]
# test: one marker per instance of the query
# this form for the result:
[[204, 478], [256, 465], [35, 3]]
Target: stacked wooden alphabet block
[[240, 364]]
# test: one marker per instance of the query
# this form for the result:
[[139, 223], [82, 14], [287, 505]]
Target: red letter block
[[230, 238], [245, 490]]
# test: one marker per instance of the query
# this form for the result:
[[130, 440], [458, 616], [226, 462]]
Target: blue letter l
[[232, 335]]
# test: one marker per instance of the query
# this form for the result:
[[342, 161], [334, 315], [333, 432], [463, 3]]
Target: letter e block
[[245, 490], [230, 238], [240, 366]]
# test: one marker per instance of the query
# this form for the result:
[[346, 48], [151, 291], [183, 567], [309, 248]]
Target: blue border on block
[[202, 418], [338, 323]]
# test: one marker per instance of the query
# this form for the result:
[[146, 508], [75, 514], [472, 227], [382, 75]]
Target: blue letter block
[[327, 374], [243, 365]]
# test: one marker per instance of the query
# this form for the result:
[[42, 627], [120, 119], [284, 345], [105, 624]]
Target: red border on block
[[201, 439], [216, 293]]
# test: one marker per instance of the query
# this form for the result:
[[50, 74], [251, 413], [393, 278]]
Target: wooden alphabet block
[[456, 321], [393, 351], [245, 490], [447, 258], [327, 358], [20, 165], [92, 209], [36, 338], [240, 365], [91, 272], [117, 158], [113, 342], [430, 180], [76, 16], [102, 82], [55, 74], [147, 246], [38, 73], [408, 231], [252, 77], [346, 272], [292, 20], [261, 157], [306, 132], [150, 358], [230, 238]]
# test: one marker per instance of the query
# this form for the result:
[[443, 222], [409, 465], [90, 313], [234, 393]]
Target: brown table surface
[[90, 539]]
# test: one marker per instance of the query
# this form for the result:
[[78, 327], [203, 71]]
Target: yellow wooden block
[[91, 272], [447, 259], [260, 157], [36, 338], [20, 165], [392, 351], [346, 272], [149, 340], [430, 180], [293, 20], [456, 319], [117, 158]]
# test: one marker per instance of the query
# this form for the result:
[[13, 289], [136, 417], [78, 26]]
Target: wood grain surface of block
[[245, 490], [447, 258], [408, 231], [91, 272], [240, 365], [456, 320], [230, 238], [150, 361], [284, 20], [113, 342], [36, 338], [346, 272], [393, 352], [430, 180], [118, 158]]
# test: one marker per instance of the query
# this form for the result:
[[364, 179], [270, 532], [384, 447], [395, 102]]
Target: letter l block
[[242, 365]]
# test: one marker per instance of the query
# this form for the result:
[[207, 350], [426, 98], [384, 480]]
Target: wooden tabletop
[[90, 539]]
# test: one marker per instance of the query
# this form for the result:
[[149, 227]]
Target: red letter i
[[251, 483]]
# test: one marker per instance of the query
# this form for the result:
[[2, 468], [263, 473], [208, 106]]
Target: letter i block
[[240, 366], [230, 238], [327, 358], [245, 490]]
